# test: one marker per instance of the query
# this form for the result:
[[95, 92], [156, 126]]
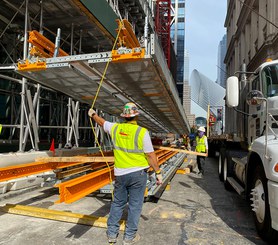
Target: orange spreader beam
[[127, 37], [23, 170], [77, 188], [73, 190], [43, 47]]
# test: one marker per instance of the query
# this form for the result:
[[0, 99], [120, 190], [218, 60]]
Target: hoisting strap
[[94, 101]]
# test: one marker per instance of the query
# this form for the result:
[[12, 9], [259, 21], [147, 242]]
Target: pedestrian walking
[[202, 147], [134, 153]]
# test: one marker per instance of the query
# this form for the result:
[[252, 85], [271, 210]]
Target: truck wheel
[[221, 164], [260, 206], [228, 166]]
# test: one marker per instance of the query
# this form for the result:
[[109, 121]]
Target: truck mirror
[[232, 92], [255, 97]]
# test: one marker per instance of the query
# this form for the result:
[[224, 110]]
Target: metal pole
[[68, 123], [146, 30], [80, 42], [38, 104], [57, 43], [71, 39], [41, 17], [24, 80]]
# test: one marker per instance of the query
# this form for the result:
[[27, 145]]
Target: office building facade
[[251, 36]]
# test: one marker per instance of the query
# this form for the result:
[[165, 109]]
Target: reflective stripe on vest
[[200, 146], [127, 140]]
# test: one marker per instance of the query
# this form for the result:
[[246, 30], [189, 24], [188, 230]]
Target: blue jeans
[[128, 188]]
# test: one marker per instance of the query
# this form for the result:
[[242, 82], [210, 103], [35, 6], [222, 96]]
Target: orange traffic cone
[[52, 147]]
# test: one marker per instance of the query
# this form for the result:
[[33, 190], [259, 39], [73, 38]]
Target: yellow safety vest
[[201, 146], [127, 140]]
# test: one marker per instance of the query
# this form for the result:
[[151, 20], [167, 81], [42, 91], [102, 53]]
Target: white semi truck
[[248, 157]]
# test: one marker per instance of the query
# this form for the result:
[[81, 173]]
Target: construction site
[[61, 58]]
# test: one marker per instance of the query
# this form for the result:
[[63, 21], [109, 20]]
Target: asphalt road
[[196, 210]]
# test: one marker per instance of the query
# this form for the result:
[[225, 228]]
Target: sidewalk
[[196, 210]]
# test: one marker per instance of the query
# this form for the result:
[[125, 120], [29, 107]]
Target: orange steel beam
[[166, 157], [76, 159], [134, 55], [77, 170], [23, 170], [31, 66], [73, 171], [162, 157], [127, 36], [73, 190], [43, 46]]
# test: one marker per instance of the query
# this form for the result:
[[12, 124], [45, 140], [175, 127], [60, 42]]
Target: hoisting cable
[[94, 101]]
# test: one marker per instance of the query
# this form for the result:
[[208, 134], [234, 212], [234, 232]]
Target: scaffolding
[[42, 100]]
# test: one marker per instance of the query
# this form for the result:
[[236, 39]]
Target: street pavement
[[195, 210]]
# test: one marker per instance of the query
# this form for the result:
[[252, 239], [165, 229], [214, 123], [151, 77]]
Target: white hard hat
[[202, 129], [130, 110]]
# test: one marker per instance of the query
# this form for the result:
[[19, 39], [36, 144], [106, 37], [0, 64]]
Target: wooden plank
[[69, 217], [75, 159], [180, 150]]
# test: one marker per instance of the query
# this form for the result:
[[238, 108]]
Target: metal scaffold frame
[[27, 119], [90, 65]]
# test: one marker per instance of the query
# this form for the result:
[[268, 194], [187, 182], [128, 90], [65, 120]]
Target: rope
[[93, 104]]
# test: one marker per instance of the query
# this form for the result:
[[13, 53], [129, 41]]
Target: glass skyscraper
[[221, 74], [178, 39]]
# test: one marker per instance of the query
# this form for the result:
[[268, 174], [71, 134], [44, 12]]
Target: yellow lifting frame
[[127, 39], [42, 48], [31, 66]]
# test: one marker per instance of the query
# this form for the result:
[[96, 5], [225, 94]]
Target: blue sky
[[204, 30]]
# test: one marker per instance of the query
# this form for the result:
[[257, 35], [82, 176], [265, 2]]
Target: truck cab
[[266, 81], [253, 170]]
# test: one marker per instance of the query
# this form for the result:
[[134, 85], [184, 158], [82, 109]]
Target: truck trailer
[[248, 149]]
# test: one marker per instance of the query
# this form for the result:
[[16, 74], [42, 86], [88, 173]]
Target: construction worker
[[202, 147], [134, 153]]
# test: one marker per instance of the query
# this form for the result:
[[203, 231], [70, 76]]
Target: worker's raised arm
[[99, 120]]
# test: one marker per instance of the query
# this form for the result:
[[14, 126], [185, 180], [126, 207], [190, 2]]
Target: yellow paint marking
[[172, 214], [58, 215]]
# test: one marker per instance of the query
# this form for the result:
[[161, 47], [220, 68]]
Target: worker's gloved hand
[[91, 112], [158, 178]]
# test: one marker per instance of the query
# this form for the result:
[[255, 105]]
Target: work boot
[[132, 241], [111, 240]]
